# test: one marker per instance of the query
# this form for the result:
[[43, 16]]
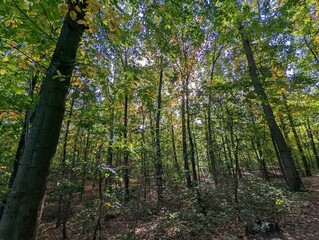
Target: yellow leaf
[[5, 59], [78, 9], [81, 22], [14, 115], [88, 18], [3, 71], [83, 53], [93, 6], [7, 23], [11, 42], [93, 27], [36, 58], [73, 15], [22, 65], [2, 115], [63, 8], [11, 24], [316, 39]]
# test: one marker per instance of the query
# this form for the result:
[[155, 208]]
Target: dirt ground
[[304, 225]]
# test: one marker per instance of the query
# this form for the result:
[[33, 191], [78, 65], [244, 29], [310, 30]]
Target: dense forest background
[[193, 113]]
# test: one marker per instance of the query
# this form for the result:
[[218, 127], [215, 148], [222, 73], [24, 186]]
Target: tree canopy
[[141, 97]]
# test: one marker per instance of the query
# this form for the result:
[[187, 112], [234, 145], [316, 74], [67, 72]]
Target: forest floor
[[144, 221], [304, 224]]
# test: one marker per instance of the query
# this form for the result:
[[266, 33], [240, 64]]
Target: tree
[[296, 136], [23, 209], [158, 163], [293, 180]]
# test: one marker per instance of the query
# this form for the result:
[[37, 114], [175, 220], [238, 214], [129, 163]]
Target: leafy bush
[[262, 200]]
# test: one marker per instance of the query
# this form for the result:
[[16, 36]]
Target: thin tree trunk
[[126, 151], [259, 154], [184, 139], [294, 131], [212, 157], [189, 131], [226, 157], [176, 165], [293, 179], [86, 161], [98, 226], [143, 159], [312, 141], [158, 164], [209, 165], [278, 157], [109, 159], [63, 166], [20, 219], [197, 161], [210, 140]]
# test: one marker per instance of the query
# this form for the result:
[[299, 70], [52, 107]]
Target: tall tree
[[184, 136], [158, 163], [23, 209], [293, 180], [312, 142], [296, 136]]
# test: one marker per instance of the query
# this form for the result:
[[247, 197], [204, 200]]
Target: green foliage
[[66, 186], [122, 57], [263, 200], [129, 236]]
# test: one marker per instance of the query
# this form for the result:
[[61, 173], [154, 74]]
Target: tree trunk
[[126, 151], [211, 153], [184, 140], [297, 139], [109, 158], [278, 157], [293, 180], [23, 210], [86, 161], [176, 165], [189, 131], [144, 167], [158, 164], [60, 214], [227, 163], [312, 141], [259, 154], [28, 118]]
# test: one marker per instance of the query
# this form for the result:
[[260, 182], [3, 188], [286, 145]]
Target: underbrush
[[196, 213], [202, 212]]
